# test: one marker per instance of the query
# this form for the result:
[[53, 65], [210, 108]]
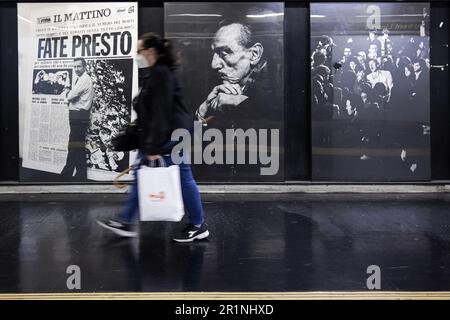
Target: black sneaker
[[119, 228], [191, 233]]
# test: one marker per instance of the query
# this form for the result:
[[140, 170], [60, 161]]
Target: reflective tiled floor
[[265, 242]]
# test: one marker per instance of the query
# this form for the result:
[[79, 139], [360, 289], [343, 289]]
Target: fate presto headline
[[88, 45]]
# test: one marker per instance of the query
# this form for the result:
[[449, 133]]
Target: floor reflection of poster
[[231, 71], [370, 91]]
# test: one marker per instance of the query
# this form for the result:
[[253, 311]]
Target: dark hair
[[374, 60], [421, 62], [404, 61], [367, 89], [322, 70], [409, 67], [162, 46], [319, 58], [83, 62], [352, 59]]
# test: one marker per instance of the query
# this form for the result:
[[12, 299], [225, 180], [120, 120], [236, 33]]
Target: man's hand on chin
[[227, 100], [223, 95], [228, 88]]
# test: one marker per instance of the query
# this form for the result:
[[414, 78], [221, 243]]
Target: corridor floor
[[258, 243]]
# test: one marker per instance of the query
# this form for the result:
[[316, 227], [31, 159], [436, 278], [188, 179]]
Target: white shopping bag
[[160, 197]]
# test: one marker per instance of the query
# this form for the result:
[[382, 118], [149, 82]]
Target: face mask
[[141, 61]]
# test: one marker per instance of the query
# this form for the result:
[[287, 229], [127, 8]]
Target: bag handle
[[116, 182], [160, 161]]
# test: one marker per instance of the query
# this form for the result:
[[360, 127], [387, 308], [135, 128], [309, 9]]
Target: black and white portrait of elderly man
[[232, 71], [239, 63]]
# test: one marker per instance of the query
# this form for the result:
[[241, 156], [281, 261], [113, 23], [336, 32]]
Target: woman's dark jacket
[[160, 110]]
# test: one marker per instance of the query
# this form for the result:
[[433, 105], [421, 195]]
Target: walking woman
[[158, 107]]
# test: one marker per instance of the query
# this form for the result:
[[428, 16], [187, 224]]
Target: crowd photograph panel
[[370, 92]]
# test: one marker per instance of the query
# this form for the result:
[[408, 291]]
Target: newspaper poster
[[77, 78]]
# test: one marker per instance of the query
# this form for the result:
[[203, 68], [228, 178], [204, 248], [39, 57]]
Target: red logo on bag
[[159, 196]]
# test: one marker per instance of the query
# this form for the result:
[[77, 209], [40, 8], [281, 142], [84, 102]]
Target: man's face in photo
[[407, 72], [372, 65], [361, 57], [78, 67], [364, 97], [347, 52], [416, 67], [52, 77], [60, 80], [389, 48], [231, 59]]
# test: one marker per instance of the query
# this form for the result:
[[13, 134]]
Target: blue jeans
[[191, 195]]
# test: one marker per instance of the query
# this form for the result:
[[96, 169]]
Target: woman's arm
[[159, 109]]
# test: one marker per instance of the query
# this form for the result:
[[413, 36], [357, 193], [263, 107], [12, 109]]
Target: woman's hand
[[153, 157]]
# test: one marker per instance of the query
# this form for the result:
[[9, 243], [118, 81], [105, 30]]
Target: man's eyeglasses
[[139, 50]]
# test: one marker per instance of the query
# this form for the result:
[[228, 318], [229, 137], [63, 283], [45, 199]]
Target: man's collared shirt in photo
[[82, 93]]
